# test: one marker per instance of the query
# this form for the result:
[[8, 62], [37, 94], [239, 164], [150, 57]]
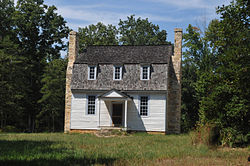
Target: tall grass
[[87, 149]]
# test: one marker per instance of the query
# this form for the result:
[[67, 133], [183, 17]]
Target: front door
[[117, 115]]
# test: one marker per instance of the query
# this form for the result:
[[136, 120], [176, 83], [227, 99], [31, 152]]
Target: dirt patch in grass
[[204, 161], [111, 133]]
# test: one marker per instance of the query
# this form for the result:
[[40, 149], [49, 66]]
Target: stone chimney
[[73, 51], [174, 86], [177, 53]]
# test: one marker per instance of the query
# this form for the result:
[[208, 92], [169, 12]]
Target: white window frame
[[87, 105], [148, 74], [95, 68], [114, 67], [147, 105]]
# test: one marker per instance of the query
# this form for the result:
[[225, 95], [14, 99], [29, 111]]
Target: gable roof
[[125, 54]]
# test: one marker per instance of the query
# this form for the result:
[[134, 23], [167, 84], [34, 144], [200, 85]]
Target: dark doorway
[[117, 115]]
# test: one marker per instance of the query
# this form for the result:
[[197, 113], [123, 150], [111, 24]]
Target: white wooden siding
[[79, 117], [105, 117], [155, 121]]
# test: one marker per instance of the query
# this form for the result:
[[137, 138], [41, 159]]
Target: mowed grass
[[134, 149]]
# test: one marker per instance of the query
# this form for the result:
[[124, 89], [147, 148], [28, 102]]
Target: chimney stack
[[177, 52], [73, 51], [174, 86]]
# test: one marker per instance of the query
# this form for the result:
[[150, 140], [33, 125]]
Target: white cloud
[[157, 18], [192, 4], [91, 14]]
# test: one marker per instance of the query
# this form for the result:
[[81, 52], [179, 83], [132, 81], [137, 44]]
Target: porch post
[[99, 112], [126, 112]]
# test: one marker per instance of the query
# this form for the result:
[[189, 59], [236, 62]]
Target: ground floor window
[[91, 105], [144, 105]]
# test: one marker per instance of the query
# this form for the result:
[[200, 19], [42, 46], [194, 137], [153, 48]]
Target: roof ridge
[[129, 45]]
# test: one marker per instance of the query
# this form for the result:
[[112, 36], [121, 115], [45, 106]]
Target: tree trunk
[[53, 120]]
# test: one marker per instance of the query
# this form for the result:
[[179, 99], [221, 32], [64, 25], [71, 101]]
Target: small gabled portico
[[119, 107]]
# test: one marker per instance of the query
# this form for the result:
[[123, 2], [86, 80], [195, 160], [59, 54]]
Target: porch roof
[[114, 94]]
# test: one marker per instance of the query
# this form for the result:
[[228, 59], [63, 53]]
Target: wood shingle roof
[[125, 54]]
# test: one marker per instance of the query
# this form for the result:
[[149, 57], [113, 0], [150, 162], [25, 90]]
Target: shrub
[[231, 137], [207, 134], [211, 134], [11, 129]]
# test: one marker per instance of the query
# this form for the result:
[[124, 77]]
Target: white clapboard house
[[132, 87]]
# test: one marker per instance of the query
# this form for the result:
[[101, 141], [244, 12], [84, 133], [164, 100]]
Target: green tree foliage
[[130, 32], [6, 11], [51, 117], [35, 32], [140, 32], [39, 33], [198, 58], [98, 34], [11, 93], [40, 30], [190, 66], [11, 84], [225, 90]]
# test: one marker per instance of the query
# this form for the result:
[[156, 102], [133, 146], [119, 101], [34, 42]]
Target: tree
[[130, 32], [51, 117], [193, 64], [6, 11], [226, 92], [11, 84], [11, 75], [98, 34], [37, 31], [140, 32], [191, 57]]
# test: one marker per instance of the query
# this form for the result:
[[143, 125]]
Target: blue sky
[[168, 14]]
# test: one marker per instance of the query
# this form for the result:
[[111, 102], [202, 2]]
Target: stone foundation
[[82, 131], [85, 131]]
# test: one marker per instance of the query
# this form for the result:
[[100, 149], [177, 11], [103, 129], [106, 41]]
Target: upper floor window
[[91, 105], [92, 72], [117, 73], [145, 71], [144, 105]]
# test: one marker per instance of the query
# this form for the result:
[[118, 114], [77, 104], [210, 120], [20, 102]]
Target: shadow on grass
[[41, 153], [54, 162]]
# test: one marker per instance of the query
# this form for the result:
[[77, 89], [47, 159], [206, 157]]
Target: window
[[91, 105], [144, 105], [145, 72], [117, 73], [92, 72]]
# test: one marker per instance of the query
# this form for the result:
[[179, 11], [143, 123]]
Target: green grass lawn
[[134, 149]]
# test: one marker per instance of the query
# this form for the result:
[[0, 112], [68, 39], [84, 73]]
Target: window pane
[[117, 73], [91, 104], [145, 73], [92, 72], [144, 106]]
